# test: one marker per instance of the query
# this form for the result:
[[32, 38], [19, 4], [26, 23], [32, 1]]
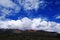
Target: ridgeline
[[28, 35]]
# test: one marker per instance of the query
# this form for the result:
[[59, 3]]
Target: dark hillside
[[26, 35]]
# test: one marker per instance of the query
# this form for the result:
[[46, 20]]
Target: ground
[[40, 35]]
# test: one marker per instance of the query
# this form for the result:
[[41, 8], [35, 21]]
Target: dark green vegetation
[[39, 35]]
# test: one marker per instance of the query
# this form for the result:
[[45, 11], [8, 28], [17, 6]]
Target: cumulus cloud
[[28, 24]]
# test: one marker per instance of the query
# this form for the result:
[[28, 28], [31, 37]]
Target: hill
[[13, 34]]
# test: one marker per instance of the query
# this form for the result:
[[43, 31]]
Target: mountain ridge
[[10, 34]]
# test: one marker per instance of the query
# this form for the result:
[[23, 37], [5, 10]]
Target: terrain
[[14, 34]]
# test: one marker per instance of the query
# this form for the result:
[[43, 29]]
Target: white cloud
[[58, 17], [32, 4], [6, 11], [27, 24], [7, 6]]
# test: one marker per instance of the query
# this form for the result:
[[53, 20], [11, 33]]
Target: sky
[[30, 15]]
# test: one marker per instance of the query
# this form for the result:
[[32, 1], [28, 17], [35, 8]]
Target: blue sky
[[38, 14], [50, 12]]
